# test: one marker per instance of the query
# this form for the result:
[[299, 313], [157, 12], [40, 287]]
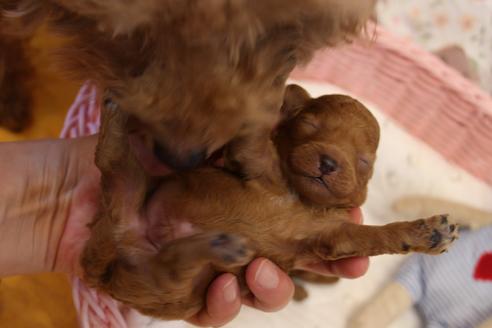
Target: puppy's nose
[[327, 165], [179, 162]]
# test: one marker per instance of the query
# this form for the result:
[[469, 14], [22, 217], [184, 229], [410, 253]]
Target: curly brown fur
[[194, 225], [197, 73], [15, 84]]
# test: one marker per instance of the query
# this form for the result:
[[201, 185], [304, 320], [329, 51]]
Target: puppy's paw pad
[[438, 233], [230, 250]]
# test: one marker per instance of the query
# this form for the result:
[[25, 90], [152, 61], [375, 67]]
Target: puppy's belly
[[166, 221], [180, 202]]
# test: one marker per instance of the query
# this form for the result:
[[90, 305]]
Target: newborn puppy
[[335, 166], [197, 74], [157, 243]]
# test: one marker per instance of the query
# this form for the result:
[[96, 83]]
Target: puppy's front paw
[[434, 235], [230, 250]]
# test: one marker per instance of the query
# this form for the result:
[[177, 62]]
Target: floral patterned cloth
[[438, 24]]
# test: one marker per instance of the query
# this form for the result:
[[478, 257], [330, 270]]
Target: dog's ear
[[295, 98]]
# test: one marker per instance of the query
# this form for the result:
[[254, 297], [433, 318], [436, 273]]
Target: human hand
[[40, 179]]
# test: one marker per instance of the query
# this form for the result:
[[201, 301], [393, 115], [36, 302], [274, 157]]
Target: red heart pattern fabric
[[483, 269]]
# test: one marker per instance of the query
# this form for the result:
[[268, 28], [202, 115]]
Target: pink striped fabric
[[427, 98], [83, 116]]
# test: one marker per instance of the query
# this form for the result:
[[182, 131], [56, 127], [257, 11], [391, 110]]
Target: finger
[[349, 268], [356, 215], [272, 289], [222, 305]]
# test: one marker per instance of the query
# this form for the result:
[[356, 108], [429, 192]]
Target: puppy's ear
[[295, 99]]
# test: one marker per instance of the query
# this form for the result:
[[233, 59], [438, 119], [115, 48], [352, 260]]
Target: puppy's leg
[[171, 283], [113, 148], [120, 169], [184, 258], [124, 186], [432, 236], [253, 156]]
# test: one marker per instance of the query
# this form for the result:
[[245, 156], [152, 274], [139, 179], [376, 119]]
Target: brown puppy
[[197, 73], [158, 242]]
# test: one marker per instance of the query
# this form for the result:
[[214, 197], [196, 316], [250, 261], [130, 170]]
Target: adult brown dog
[[197, 74], [159, 241]]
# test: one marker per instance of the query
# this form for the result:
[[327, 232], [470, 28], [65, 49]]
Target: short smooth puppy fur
[[159, 241], [197, 74]]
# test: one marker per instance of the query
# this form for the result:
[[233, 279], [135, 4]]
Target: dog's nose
[[327, 165], [179, 162]]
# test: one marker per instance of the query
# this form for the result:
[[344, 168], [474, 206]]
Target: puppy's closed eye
[[364, 164]]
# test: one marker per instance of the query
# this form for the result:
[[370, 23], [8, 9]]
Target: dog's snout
[[177, 161], [327, 165]]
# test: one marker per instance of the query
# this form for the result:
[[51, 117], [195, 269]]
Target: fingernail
[[230, 290], [266, 276]]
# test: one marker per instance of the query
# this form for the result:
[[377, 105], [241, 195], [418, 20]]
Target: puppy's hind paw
[[229, 250]]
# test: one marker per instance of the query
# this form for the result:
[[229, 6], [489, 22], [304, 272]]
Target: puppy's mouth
[[322, 182], [326, 170], [319, 181]]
